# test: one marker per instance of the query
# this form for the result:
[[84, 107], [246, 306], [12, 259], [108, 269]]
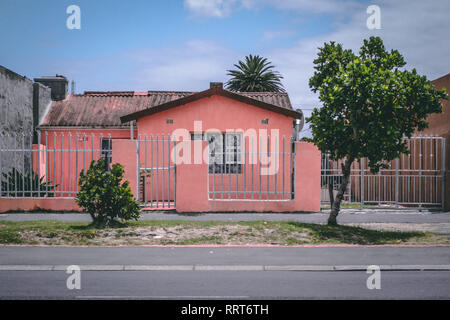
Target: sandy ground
[[224, 234]]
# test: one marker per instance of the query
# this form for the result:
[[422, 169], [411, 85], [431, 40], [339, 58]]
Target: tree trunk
[[336, 205]]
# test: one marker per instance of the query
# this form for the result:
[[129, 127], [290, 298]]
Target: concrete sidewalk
[[224, 256], [379, 219], [346, 216]]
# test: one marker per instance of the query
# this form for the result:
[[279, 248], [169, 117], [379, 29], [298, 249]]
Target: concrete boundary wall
[[38, 204]]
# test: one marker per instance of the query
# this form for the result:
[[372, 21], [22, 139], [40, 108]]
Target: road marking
[[91, 267], [415, 267], [25, 268], [160, 268], [299, 268], [228, 268]]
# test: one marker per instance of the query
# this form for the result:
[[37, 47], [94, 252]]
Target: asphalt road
[[229, 282], [234, 285]]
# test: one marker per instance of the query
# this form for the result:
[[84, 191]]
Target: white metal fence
[[47, 165]]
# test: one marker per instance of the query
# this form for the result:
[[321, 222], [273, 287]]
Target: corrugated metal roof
[[104, 108], [280, 99]]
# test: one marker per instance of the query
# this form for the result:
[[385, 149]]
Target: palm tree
[[255, 75]]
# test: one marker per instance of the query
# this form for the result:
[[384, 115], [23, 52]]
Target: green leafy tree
[[256, 74], [370, 104], [104, 195]]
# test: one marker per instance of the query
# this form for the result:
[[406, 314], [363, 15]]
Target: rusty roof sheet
[[280, 99], [104, 108]]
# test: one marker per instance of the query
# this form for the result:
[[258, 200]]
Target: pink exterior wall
[[215, 112], [39, 164], [307, 176], [192, 187], [250, 184], [124, 152]]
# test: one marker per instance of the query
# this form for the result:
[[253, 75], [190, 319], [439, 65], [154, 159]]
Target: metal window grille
[[241, 170]]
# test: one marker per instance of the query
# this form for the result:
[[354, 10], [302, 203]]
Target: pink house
[[206, 151]]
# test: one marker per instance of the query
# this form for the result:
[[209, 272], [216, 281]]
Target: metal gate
[[417, 179], [156, 171]]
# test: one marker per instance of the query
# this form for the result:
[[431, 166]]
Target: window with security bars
[[225, 152], [106, 150]]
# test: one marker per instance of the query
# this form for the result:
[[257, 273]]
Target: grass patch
[[200, 240], [9, 237], [351, 206], [180, 232]]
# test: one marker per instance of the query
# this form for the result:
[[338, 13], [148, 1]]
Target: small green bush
[[104, 196]]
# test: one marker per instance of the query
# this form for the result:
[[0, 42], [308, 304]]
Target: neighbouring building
[[22, 105], [439, 124]]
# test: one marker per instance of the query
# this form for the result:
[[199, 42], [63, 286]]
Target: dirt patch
[[220, 233], [152, 235]]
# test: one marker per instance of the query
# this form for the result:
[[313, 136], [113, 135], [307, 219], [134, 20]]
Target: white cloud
[[223, 8], [304, 6], [416, 28], [190, 67], [274, 34], [210, 8]]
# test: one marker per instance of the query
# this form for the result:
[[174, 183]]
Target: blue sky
[[184, 44], [113, 25], [34, 33]]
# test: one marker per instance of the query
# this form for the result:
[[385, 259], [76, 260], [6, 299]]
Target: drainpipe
[[298, 125], [131, 131]]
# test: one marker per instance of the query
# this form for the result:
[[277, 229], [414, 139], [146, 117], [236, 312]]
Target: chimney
[[58, 85], [218, 85], [73, 87]]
